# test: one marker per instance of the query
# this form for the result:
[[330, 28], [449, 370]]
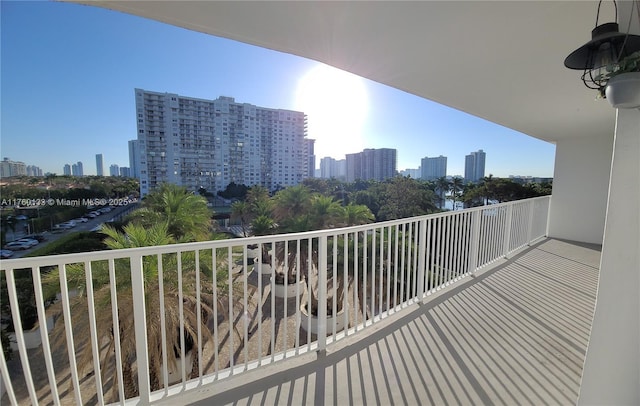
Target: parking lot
[[92, 224]]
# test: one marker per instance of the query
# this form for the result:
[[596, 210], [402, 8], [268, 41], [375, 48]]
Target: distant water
[[449, 205]]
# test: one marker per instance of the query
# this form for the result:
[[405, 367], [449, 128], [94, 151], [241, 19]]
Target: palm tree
[[186, 214], [241, 211], [324, 212], [443, 185], [355, 214], [138, 236], [457, 185], [291, 202]]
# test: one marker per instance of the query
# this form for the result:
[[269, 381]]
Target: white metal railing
[[148, 323]]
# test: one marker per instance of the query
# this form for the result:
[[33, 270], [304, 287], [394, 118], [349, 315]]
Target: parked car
[[105, 209], [22, 217], [4, 254], [96, 212], [17, 246], [30, 241], [38, 237], [81, 220], [91, 215]]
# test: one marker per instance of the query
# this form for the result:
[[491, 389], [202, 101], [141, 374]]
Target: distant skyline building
[[125, 172], [12, 168], [333, 168], [114, 170], [433, 168], [66, 170], [311, 157], [210, 143], [134, 159], [77, 170], [413, 173], [33, 170], [376, 164], [474, 166], [99, 165]]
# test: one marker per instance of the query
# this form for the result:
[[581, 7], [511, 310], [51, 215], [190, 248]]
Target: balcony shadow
[[514, 334]]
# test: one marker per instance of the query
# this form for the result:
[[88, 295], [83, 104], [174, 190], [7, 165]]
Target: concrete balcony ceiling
[[502, 61]]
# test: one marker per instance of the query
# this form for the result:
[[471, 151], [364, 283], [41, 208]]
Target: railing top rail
[[53, 260]]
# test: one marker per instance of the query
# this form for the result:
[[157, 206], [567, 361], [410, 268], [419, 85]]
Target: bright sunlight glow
[[336, 105]]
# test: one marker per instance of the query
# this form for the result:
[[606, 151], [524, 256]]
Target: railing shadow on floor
[[483, 341]]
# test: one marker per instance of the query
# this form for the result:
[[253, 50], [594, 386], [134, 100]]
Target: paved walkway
[[516, 334]]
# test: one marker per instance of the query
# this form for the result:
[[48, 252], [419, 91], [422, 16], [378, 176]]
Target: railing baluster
[[245, 307], [345, 280], [183, 351], [198, 317], [6, 379], [507, 231], [475, 241], [322, 292], [44, 335], [140, 327], [422, 257], [113, 287], [396, 261], [214, 277], [17, 324], [530, 223], [95, 349], [163, 324], [372, 299]]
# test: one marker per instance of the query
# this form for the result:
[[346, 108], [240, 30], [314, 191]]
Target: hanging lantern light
[[600, 55]]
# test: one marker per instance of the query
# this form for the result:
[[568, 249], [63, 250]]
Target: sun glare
[[336, 104]]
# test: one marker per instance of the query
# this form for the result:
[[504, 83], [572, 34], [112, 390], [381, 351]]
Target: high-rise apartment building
[[33, 170], [12, 168], [474, 166], [76, 169], [311, 158], [433, 168], [134, 159], [377, 164], [412, 173], [125, 172], [99, 165], [333, 168], [211, 143], [114, 170], [66, 170]]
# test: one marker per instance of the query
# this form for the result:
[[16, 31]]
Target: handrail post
[[507, 231], [322, 293], [475, 241], [532, 207], [140, 327], [422, 241]]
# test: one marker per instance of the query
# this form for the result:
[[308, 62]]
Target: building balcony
[[475, 306]]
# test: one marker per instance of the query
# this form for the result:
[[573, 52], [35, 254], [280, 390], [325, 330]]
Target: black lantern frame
[[599, 56]]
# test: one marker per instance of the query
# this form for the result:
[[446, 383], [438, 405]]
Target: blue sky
[[69, 72]]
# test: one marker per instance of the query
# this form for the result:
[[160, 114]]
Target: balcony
[[469, 307]]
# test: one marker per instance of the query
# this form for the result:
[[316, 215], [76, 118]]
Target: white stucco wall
[[611, 374], [580, 187]]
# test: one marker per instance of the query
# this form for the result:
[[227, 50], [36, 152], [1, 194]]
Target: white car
[[29, 241], [17, 246], [81, 220], [4, 254]]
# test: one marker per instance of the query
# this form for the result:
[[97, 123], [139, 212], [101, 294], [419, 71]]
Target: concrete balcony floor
[[514, 334]]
